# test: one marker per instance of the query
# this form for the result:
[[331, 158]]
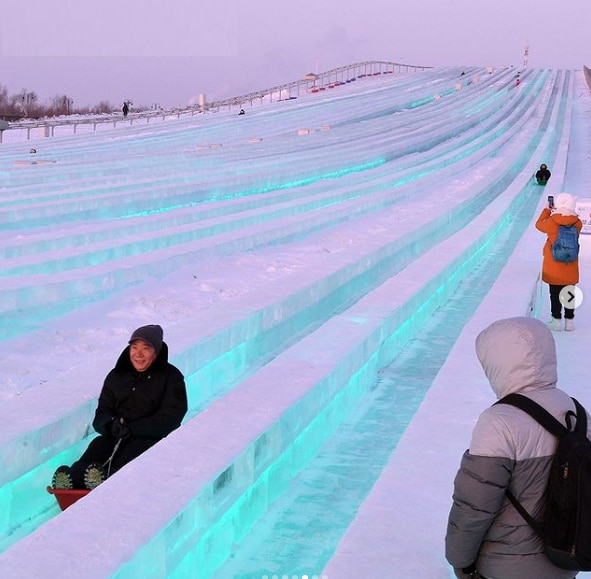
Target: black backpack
[[566, 528]]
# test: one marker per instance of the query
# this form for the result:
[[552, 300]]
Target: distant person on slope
[[125, 109], [486, 536], [543, 174], [558, 274], [143, 399]]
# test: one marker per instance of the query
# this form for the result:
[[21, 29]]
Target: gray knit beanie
[[151, 334]]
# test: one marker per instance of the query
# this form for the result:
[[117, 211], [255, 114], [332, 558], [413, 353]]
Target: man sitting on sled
[[143, 399]]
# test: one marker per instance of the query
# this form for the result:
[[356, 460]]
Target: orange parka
[[557, 272]]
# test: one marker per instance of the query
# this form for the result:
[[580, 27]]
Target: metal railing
[[318, 82], [311, 83]]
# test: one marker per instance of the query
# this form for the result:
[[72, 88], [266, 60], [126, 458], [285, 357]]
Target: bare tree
[[3, 96], [26, 104], [4, 105], [103, 107], [25, 101], [60, 104]]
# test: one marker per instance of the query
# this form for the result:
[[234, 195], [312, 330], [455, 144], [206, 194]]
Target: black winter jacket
[[152, 403]]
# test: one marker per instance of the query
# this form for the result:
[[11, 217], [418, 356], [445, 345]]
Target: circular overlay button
[[570, 297]]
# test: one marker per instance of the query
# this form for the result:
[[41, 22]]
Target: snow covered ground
[[313, 262]]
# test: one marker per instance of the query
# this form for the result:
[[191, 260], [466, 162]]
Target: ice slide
[[462, 140]]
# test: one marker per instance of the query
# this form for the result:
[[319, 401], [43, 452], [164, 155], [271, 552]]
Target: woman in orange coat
[[558, 274]]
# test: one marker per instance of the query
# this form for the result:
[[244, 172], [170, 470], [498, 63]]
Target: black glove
[[467, 572], [120, 430]]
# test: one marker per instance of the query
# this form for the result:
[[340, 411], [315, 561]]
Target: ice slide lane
[[110, 269]]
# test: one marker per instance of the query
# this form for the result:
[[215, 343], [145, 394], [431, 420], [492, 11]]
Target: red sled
[[67, 497]]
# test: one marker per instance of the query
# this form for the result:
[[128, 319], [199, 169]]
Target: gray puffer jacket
[[508, 450]]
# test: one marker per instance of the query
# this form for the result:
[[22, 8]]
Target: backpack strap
[[540, 414], [535, 525], [581, 426], [552, 425]]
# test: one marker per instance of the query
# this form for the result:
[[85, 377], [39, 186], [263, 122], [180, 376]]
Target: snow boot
[[569, 325], [94, 475], [62, 478], [555, 324]]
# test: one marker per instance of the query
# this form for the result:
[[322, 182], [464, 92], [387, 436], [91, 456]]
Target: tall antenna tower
[[526, 54]]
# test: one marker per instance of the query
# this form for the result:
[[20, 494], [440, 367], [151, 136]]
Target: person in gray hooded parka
[[486, 536]]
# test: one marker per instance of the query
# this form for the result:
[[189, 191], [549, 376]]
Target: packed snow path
[[310, 241]]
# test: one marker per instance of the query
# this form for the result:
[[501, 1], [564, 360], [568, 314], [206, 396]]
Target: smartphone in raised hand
[[551, 201]]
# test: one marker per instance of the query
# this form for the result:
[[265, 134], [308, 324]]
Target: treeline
[[26, 105]]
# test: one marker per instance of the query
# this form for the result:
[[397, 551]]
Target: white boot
[[569, 325], [555, 325]]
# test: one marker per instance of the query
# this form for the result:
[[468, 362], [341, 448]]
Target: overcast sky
[[168, 52]]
